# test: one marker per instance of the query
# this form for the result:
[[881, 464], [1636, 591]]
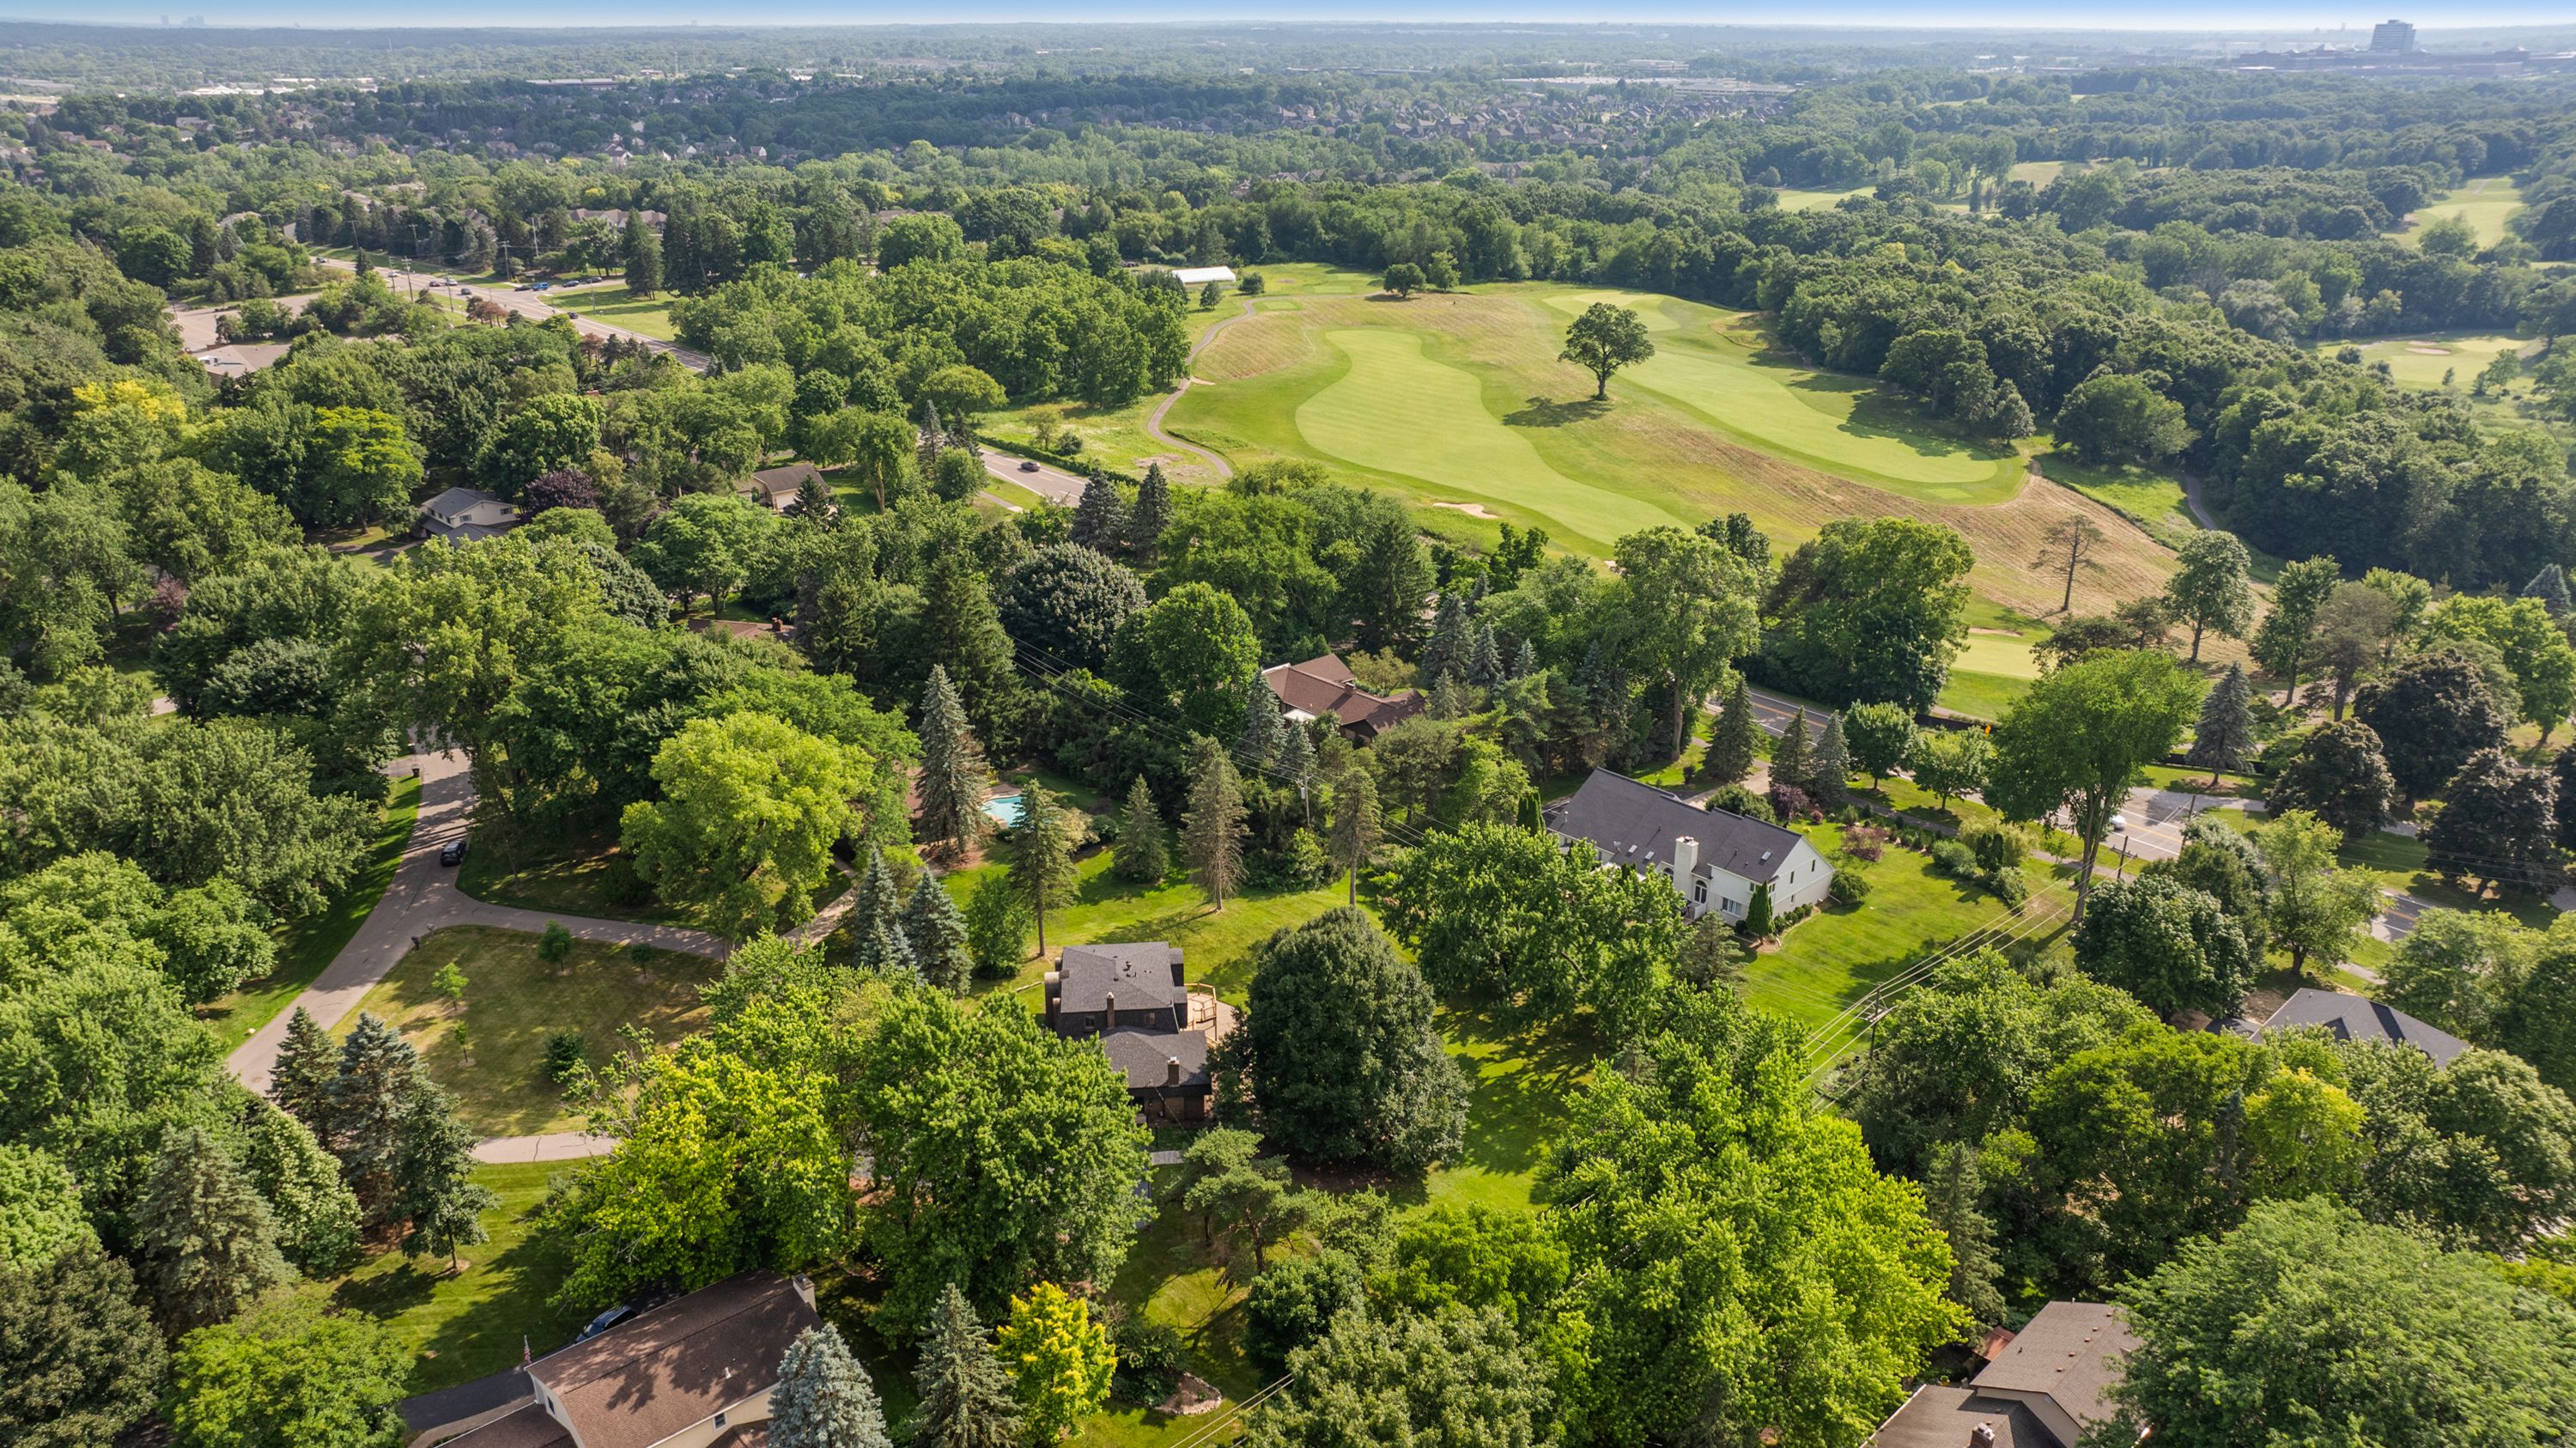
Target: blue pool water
[[1004, 810]]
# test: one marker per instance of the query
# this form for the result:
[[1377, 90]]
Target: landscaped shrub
[[1788, 803], [1850, 886], [1997, 845], [565, 1052], [1292, 1303], [1151, 1357], [555, 944], [1736, 799], [1955, 859], [2008, 885]]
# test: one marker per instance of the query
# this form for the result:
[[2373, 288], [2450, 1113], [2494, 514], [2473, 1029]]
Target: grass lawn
[[2419, 361], [2486, 203], [2154, 499], [619, 307], [1837, 955], [1795, 198], [1457, 402], [1520, 1085], [1981, 695], [462, 1326], [305, 946], [569, 878], [514, 1001]]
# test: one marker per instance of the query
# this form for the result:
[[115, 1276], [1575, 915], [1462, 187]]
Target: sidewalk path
[[1154, 419], [551, 1146], [423, 897]]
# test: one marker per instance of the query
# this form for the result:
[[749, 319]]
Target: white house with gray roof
[[1714, 858]]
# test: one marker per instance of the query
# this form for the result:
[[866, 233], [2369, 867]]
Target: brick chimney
[[1109, 1009], [1171, 1070], [1685, 860], [1982, 1436]]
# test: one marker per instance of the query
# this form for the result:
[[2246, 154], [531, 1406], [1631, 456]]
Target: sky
[[2195, 15]]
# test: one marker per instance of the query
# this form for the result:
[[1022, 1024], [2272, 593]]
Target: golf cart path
[[1154, 419]]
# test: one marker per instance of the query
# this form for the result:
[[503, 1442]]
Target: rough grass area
[[2153, 500], [460, 1326], [305, 946], [1799, 198], [1459, 399], [514, 1001]]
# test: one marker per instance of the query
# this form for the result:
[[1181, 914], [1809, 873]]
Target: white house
[[462, 515], [1714, 858]]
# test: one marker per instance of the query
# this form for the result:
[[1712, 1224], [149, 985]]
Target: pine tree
[[1151, 515], [1757, 912], [1729, 756], [1484, 658], [824, 1398], [300, 1083], [967, 1398], [954, 779], [1296, 757], [876, 920], [1041, 872], [1792, 763], [643, 256], [1830, 769], [1452, 640], [1950, 1199], [1709, 957], [814, 501], [962, 628], [933, 437], [1144, 856], [1213, 830], [2225, 736], [370, 1096], [1258, 745], [206, 1244], [1449, 699], [935, 929], [1357, 825], [1524, 660], [2549, 585], [435, 1178], [1100, 519]]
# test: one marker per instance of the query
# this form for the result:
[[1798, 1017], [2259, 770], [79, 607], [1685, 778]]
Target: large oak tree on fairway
[[1603, 340], [2078, 740]]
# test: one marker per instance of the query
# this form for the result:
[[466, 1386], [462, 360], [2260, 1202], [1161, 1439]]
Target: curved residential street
[[1154, 419]]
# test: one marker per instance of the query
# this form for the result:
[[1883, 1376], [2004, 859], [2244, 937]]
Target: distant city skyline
[[2201, 16]]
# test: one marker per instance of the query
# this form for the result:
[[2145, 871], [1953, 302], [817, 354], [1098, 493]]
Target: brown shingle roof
[[1324, 685], [654, 1374], [529, 1427]]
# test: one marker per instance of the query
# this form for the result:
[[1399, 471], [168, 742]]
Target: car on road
[[2119, 824], [1028, 465], [453, 852]]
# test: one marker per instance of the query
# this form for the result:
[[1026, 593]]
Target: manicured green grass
[[1520, 1086], [460, 1326], [568, 877], [2486, 203], [619, 307], [1837, 955], [2420, 361], [1794, 198], [2154, 499], [305, 946], [1981, 695], [514, 1001]]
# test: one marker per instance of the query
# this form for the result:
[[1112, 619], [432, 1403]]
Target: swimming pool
[[1004, 810]]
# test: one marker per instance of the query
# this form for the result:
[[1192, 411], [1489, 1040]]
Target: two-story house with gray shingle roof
[[1714, 858], [1132, 998]]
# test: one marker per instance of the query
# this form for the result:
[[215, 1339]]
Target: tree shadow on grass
[[1521, 1085], [1548, 412]]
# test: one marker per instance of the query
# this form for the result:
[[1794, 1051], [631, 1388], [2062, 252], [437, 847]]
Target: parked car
[[453, 852], [1028, 465]]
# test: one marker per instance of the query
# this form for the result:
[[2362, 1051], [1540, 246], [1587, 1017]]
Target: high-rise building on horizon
[[2393, 36]]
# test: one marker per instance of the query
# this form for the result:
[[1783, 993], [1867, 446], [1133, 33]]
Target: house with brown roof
[[1132, 997], [1324, 685], [775, 488], [696, 1372], [2042, 1388]]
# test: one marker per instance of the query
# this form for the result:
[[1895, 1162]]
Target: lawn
[[1457, 403], [514, 1001], [459, 1327], [1836, 956], [568, 878], [1980, 695], [619, 307], [2486, 203], [2420, 360], [2152, 499], [1796, 198], [305, 946]]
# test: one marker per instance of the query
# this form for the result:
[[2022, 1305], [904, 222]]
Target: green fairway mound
[[1400, 410], [2420, 361], [1649, 308]]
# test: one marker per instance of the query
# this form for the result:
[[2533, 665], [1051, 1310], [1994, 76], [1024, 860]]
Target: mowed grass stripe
[[1400, 410]]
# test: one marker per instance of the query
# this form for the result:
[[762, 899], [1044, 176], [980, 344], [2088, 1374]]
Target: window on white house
[[1731, 907], [1699, 892]]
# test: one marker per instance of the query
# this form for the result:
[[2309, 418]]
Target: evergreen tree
[[814, 503], [1041, 872], [1792, 762], [1151, 515], [643, 256], [2549, 585], [1709, 958], [1296, 758], [954, 779], [1100, 519], [824, 1398], [1603, 686], [961, 627], [933, 438], [435, 1177], [1449, 699], [1830, 769], [315, 1214], [1213, 830], [1452, 640], [1258, 745], [370, 1096], [1524, 661], [936, 930], [80, 1361], [1757, 912], [1484, 658], [2225, 737], [876, 920], [207, 1245], [967, 1399], [1357, 825], [1144, 856], [1950, 1198], [300, 1083]]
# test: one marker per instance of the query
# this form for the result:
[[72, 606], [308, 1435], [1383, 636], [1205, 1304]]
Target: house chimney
[[1685, 860], [1171, 1070], [1109, 1005], [1982, 1436]]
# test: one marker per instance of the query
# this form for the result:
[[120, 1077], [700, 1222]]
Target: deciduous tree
[[80, 1361], [1061, 1358], [2314, 907], [291, 1375], [1603, 340], [750, 809], [2081, 737], [2339, 775], [1870, 611], [2213, 588], [2166, 943], [2431, 712], [2500, 824]]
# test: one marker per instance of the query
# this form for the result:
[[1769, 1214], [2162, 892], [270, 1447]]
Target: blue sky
[[2200, 15]]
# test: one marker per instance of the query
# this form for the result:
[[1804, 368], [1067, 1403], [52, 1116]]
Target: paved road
[[1051, 483], [1154, 419], [536, 306], [2191, 499]]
